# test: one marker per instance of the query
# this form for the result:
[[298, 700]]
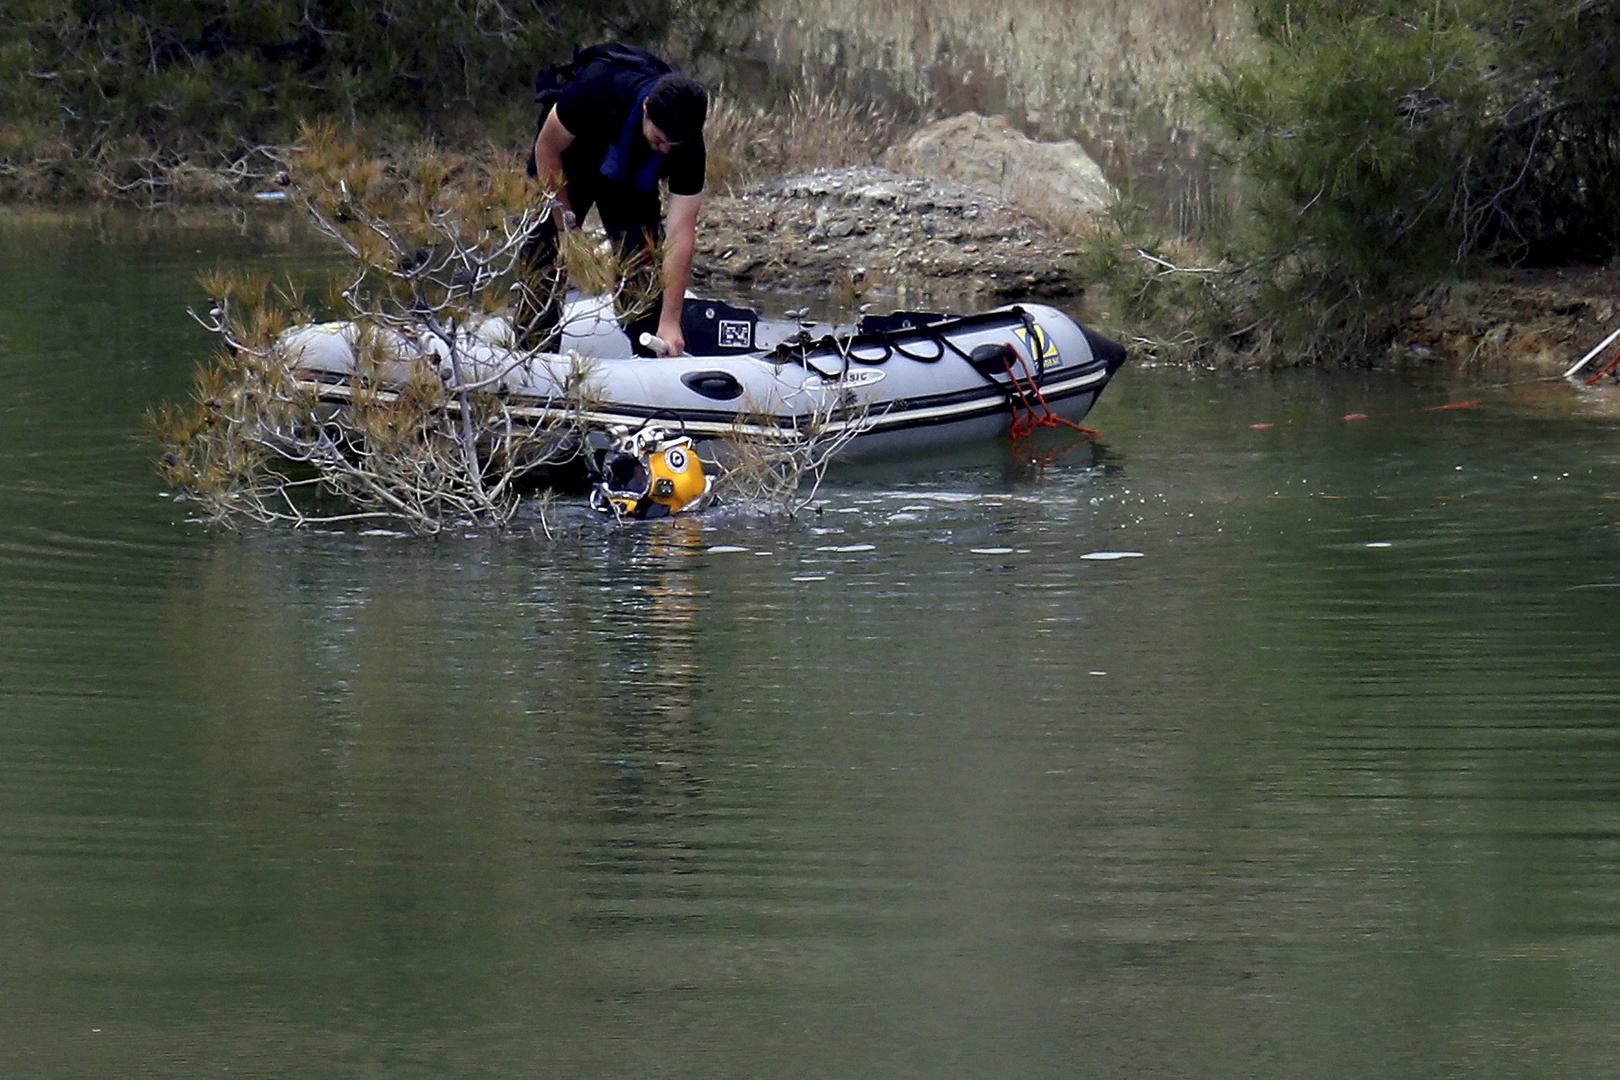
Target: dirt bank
[[887, 234], [1524, 321]]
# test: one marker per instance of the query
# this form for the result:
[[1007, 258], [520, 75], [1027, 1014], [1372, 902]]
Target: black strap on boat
[[798, 351], [981, 360]]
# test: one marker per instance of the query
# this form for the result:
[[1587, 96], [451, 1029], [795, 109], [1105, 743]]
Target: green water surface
[[1203, 751]]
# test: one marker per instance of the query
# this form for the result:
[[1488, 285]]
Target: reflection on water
[[915, 786]]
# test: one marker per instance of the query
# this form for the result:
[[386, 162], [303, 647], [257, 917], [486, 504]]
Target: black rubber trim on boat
[[714, 385], [1106, 349]]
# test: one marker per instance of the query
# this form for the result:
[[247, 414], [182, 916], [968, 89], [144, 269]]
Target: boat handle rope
[[798, 351], [846, 350], [1036, 412]]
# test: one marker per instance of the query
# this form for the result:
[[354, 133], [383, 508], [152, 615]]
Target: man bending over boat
[[614, 122]]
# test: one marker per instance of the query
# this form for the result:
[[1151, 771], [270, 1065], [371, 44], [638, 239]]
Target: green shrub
[[192, 76], [1380, 144]]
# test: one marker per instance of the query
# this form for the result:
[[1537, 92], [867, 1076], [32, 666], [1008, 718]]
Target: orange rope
[[1605, 369], [1560, 383], [1036, 412]]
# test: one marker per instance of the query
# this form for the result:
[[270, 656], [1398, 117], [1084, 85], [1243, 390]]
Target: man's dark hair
[[677, 106]]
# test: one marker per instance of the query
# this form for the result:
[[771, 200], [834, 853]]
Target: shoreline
[[868, 234]]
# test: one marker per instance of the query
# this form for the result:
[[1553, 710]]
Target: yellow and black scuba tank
[[650, 474]]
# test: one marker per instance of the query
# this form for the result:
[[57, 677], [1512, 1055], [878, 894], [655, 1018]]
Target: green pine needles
[[1378, 146], [87, 86]]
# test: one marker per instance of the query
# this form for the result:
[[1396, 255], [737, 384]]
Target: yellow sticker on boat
[[1043, 350]]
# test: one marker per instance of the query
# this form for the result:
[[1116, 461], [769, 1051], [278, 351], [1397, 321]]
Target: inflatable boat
[[888, 384]]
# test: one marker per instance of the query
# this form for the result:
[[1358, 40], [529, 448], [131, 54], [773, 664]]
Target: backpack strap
[[550, 82]]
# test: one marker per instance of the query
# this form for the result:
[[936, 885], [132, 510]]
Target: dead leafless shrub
[[419, 431]]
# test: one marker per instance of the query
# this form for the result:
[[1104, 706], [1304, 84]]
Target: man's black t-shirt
[[594, 108]]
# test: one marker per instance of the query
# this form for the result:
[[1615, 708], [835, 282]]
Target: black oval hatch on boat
[[717, 385], [993, 359]]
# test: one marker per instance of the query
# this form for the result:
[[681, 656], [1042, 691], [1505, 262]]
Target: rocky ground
[[872, 230]]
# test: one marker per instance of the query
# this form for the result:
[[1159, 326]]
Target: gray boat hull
[[890, 385]]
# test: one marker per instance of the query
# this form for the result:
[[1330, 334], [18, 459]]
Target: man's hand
[[669, 331]]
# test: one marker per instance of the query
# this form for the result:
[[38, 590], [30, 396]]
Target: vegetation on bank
[[163, 101], [1378, 147], [1373, 148], [110, 99]]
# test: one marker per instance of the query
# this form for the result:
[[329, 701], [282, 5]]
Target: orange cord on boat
[[1036, 413]]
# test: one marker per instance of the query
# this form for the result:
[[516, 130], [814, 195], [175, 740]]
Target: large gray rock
[[988, 153]]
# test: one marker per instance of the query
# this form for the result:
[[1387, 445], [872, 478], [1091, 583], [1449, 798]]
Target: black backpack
[[549, 82]]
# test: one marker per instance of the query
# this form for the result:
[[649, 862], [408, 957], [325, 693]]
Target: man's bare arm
[[549, 145], [680, 241]]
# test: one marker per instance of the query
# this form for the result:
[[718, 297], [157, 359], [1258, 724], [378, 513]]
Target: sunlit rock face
[[987, 152]]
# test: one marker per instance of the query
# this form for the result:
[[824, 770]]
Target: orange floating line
[[1561, 387]]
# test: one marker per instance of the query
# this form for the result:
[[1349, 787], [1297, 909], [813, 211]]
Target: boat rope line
[[1030, 409], [1036, 413], [1032, 418], [1500, 393]]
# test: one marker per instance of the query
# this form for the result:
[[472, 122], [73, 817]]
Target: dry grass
[[811, 128]]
